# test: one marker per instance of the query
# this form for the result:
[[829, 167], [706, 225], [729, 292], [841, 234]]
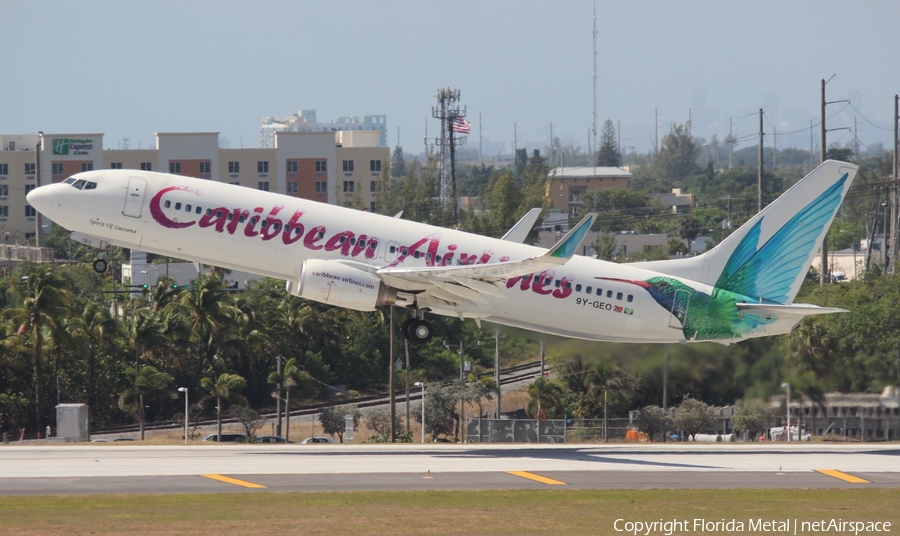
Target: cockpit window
[[70, 180], [90, 185], [79, 184]]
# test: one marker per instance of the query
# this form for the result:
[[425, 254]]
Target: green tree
[[43, 302], [334, 417], [654, 420], [213, 319], [249, 419], [144, 384], [753, 416], [97, 330], [224, 387], [292, 378], [546, 399], [609, 154], [693, 416], [398, 163], [677, 158]]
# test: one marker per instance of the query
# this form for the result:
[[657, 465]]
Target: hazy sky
[[132, 68]]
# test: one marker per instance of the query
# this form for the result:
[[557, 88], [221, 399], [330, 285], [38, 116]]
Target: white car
[[317, 439], [777, 434]]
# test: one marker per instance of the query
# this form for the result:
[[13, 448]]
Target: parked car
[[271, 439], [226, 438], [317, 439]]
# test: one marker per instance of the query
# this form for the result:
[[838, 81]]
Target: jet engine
[[337, 284]]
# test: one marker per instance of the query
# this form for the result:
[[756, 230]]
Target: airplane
[[743, 288]]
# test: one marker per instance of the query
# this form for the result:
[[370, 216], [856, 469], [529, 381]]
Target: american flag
[[460, 125]]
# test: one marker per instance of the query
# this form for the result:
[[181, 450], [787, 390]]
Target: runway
[[111, 469]]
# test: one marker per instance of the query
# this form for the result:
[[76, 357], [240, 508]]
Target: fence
[[515, 431]]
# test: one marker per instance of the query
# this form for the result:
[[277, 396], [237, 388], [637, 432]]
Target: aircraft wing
[[555, 256], [519, 231]]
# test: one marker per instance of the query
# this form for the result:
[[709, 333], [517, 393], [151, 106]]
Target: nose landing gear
[[417, 330], [100, 265]]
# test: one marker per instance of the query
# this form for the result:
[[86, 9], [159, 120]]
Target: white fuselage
[[270, 234]]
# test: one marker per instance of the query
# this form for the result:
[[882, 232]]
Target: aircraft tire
[[100, 266], [419, 331]]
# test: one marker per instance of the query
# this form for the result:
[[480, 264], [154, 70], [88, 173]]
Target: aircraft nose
[[42, 198]]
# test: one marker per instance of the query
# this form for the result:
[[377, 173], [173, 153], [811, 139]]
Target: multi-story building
[[310, 165], [305, 121], [566, 185]]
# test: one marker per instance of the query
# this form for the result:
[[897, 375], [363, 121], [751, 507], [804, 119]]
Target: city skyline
[[127, 70]]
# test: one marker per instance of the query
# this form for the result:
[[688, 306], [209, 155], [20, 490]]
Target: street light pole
[[185, 391], [422, 385]]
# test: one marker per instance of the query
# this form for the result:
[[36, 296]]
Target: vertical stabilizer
[[768, 257]]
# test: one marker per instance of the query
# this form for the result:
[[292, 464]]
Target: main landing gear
[[100, 266], [417, 329]]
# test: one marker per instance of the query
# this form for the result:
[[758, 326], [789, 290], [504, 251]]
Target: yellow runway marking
[[843, 476], [537, 478], [236, 482]]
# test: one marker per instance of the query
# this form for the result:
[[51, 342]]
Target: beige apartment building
[[566, 185], [330, 167]]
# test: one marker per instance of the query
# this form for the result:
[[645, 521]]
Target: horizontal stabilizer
[[796, 309]]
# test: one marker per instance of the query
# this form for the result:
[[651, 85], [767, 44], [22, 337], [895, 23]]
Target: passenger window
[[609, 294], [168, 204], [569, 285], [277, 226], [599, 292], [342, 239], [352, 241], [416, 255], [547, 281], [404, 252], [393, 249], [374, 244], [188, 208], [630, 298], [589, 290], [265, 223], [298, 230], [209, 212], [618, 295], [230, 216], [557, 283], [362, 243], [321, 235], [177, 206], [242, 219], [198, 210], [577, 288]]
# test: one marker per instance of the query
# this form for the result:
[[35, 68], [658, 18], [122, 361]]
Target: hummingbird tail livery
[[743, 288]]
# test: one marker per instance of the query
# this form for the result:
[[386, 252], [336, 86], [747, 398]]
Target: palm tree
[[45, 301], [96, 329], [144, 383], [211, 316], [291, 378], [223, 387]]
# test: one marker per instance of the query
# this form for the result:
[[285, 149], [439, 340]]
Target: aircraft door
[[679, 309], [134, 197]]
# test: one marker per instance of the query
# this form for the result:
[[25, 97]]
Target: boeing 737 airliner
[[743, 288]]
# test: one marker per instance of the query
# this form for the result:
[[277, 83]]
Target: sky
[[133, 68]]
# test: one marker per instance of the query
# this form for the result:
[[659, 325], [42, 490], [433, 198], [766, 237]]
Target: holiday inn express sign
[[72, 146]]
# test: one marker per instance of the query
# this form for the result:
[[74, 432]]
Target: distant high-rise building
[[305, 121]]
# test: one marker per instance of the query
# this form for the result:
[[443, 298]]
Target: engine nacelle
[[341, 285]]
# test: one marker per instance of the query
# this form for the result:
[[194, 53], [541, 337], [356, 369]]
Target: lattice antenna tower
[[448, 110]]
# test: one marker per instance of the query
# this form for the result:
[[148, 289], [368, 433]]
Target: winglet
[[519, 231], [565, 248]]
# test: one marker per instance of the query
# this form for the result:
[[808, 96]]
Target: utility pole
[[391, 366], [824, 275], [497, 369], [894, 194], [759, 177], [656, 132]]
